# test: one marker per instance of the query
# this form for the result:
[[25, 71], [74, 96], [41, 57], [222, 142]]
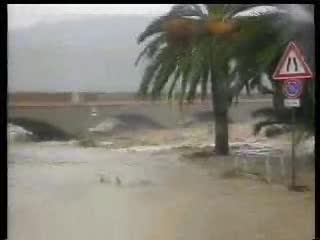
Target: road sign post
[[292, 69], [293, 150], [292, 90]]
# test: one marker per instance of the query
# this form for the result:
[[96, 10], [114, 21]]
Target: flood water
[[68, 192]]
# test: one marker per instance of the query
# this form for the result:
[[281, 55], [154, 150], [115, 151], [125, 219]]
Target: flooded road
[[68, 192]]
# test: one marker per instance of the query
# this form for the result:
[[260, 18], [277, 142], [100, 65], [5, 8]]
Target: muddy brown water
[[55, 192], [77, 119]]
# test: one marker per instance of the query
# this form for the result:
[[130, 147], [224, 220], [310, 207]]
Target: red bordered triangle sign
[[292, 65]]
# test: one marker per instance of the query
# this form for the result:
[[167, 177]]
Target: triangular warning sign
[[292, 65]]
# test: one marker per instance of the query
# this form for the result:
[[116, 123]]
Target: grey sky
[[22, 15], [80, 47]]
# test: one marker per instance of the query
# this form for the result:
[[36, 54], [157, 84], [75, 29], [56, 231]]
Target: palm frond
[[154, 27], [167, 68], [264, 112], [180, 10], [255, 82], [195, 77], [185, 65], [264, 89], [199, 70], [284, 116], [260, 125], [147, 78], [233, 9], [174, 83], [256, 11], [152, 69], [204, 82], [196, 44], [151, 48]]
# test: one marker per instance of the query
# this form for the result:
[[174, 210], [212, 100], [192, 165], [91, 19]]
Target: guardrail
[[245, 159]]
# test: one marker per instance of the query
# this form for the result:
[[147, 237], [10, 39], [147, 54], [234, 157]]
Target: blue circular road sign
[[293, 88]]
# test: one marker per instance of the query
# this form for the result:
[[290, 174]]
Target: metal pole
[[293, 154]]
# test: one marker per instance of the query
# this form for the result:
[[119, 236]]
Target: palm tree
[[195, 43], [304, 36]]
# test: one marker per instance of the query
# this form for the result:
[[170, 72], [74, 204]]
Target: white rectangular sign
[[292, 102]]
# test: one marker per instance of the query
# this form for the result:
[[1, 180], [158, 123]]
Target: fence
[[261, 160]]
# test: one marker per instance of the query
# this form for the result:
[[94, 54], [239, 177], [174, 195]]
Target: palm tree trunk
[[220, 109], [248, 89], [221, 134], [278, 97]]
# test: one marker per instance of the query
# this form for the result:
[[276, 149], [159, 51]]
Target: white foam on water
[[55, 143], [145, 148], [18, 134]]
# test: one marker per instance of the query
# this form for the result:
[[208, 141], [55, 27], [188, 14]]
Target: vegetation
[[304, 117], [87, 142], [191, 49], [279, 116]]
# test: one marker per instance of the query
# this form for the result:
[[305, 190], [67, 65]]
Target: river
[[63, 191]]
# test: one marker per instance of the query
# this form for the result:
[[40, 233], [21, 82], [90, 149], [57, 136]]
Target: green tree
[[194, 44], [303, 35]]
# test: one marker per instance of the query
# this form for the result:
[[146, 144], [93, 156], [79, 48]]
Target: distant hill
[[88, 53]]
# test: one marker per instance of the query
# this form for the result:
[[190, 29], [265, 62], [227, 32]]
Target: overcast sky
[[22, 15]]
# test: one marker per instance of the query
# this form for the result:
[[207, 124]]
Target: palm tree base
[[222, 151], [297, 188], [221, 134]]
